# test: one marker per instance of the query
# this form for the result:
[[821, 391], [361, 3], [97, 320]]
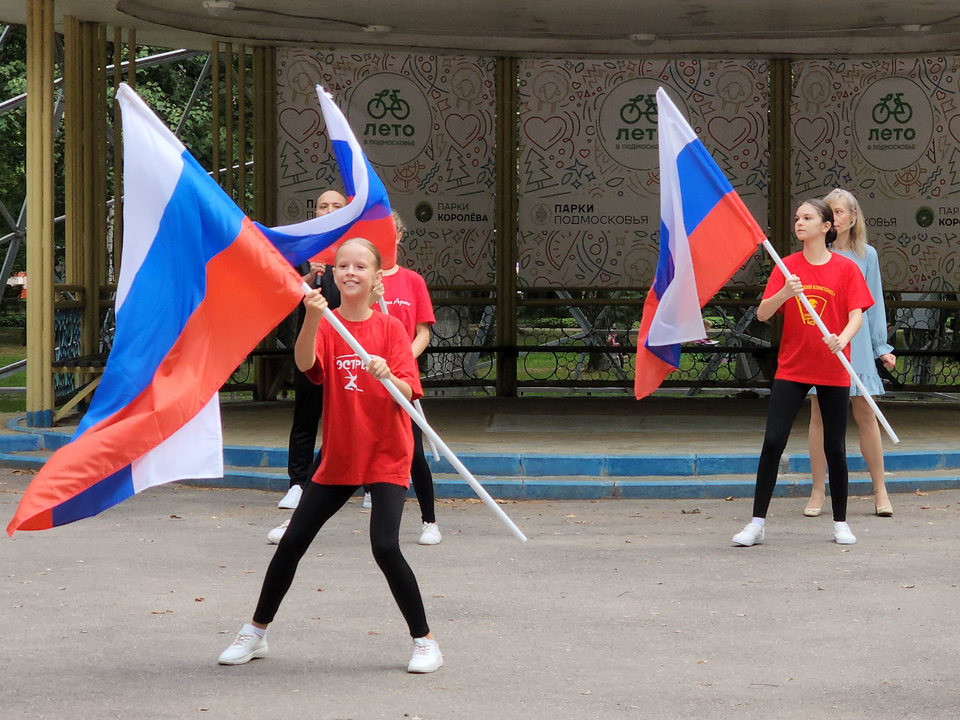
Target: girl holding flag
[[867, 346], [366, 441], [835, 287]]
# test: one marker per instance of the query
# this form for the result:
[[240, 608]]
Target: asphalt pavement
[[614, 608]]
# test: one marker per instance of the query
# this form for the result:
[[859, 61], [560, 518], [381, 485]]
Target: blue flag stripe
[[95, 499], [197, 224], [702, 184]]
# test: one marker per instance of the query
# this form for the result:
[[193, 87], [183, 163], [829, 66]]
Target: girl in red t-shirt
[[406, 297], [837, 291], [366, 441]]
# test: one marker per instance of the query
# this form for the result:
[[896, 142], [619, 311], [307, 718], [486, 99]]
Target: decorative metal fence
[[581, 339]]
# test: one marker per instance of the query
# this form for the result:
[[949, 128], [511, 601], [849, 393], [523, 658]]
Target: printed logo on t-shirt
[[819, 304], [398, 301], [350, 366]]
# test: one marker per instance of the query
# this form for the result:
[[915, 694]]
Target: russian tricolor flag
[[199, 287], [367, 215], [706, 234]]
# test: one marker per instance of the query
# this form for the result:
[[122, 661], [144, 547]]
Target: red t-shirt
[[405, 293], [834, 289], [366, 435]]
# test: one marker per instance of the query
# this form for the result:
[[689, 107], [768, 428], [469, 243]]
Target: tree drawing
[[537, 171], [291, 165], [457, 174]]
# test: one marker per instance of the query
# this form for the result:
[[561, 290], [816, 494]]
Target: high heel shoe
[[812, 511], [883, 510]]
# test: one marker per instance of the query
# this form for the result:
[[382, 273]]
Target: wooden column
[[132, 58], [215, 110], [40, 258], [242, 127], [270, 120], [259, 141], [228, 119], [117, 155], [89, 339], [507, 104], [781, 214], [73, 163]]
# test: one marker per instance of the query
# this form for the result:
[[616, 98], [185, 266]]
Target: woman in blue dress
[[868, 345]]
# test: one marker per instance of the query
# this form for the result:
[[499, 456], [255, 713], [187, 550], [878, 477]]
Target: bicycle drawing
[[891, 105], [388, 101]]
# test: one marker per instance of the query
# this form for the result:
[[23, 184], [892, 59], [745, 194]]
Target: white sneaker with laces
[[426, 656], [367, 501], [247, 646], [752, 534], [291, 499], [273, 537], [842, 534], [430, 535]]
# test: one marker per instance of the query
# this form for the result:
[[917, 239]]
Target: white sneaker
[[273, 537], [842, 534], [752, 534], [426, 656], [247, 646], [367, 501], [291, 499], [430, 535]]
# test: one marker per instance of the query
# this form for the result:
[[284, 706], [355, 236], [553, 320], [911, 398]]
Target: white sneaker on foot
[[842, 534], [367, 501], [430, 535], [752, 534], [273, 537], [426, 656], [291, 499], [247, 646]]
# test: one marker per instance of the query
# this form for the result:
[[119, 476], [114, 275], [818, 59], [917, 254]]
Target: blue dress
[[870, 342]]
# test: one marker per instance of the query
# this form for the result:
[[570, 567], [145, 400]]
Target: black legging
[[786, 398], [307, 408], [422, 477], [318, 504]]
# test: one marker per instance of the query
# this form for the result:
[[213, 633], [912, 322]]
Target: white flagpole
[[427, 430], [843, 359], [416, 404]]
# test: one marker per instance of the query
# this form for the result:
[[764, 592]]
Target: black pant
[[786, 398], [318, 504], [422, 477], [307, 408]]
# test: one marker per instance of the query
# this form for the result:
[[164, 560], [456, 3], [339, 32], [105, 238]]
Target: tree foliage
[[165, 88]]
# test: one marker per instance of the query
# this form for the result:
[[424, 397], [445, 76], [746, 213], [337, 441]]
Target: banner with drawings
[[888, 130], [589, 167], [426, 123]]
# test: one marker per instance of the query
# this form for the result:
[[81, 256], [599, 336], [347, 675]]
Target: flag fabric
[[199, 287], [706, 234], [366, 215]]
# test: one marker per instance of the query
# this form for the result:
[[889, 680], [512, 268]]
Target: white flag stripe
[[195, 451], [678, 318], [152, 165], [337, 129]]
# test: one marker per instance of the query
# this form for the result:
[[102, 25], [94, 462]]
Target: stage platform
[[589, 447]]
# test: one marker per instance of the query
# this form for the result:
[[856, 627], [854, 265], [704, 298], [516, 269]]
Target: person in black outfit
[[308, 398]]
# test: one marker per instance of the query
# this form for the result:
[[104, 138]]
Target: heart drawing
[[463, 130], [544, 133], [810, 133], [728, 133], [299, 124]]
